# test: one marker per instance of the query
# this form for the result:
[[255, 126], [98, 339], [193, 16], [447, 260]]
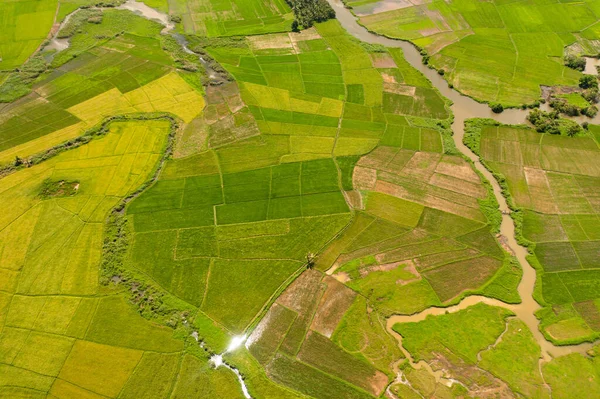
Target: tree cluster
[[562, 106], [588, 82], [308, 12], [550, 122]]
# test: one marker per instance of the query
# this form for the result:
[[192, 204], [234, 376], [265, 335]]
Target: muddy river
[[464, 108]]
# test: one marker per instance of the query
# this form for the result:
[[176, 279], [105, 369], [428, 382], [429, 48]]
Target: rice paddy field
[[25, 24], [244, 225], [494, 51]]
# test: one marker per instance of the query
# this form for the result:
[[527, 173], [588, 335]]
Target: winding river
[[464, 108]]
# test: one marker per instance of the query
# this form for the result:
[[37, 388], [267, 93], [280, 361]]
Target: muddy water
[[464, 108], [591, 65], [148, 13]]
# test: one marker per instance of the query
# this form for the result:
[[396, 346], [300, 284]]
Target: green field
[[24, 24], [498, 51]]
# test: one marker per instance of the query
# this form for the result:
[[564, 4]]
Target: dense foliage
[[308, 12], [577, 63], [552, 123]]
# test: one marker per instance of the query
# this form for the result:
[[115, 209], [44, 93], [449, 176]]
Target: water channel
[[464, 108]]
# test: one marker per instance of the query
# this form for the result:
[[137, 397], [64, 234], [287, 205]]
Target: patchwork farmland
[[496, 51], [553, 180], [242, 200]]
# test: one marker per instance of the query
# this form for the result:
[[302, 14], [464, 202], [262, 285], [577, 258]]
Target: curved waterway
[[464, 108]]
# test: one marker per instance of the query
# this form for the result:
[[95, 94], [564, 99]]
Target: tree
[[295, 26], [573, 130], [588, 81], [496, 108], [577, 63], [310, 260], [18, 161]]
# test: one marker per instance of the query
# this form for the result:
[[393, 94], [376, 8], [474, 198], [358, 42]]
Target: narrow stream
[[464, 108]]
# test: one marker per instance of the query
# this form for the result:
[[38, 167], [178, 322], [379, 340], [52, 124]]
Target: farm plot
[[124, 75], [306, 356], [522, 43], [61, 333], [228, 18], [323, 90], [553, 179], [25, 24]]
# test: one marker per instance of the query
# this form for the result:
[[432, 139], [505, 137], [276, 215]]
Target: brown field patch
[[191, 139], [387, 78], [398, 88], [342, 277], [452, 279], [334, 303], [383, 60], [270, 41], [364, 178], [422, 165], [457, 185], [302, 296], [235, 102], [268, 334], [421, 189], [378, 158], [301, 292], [306, 34], [470, 211], [457, 167], [354, 199]]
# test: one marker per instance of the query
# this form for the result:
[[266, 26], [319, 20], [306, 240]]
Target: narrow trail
[[464, 108]]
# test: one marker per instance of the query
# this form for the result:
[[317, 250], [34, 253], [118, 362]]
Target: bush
[[591, 95], [551, 123], [497, 107], [577, 63], [590, 111], [588, 82]]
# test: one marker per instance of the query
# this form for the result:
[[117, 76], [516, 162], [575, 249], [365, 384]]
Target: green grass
[[441, 334], [524, 376], [574, 367]]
